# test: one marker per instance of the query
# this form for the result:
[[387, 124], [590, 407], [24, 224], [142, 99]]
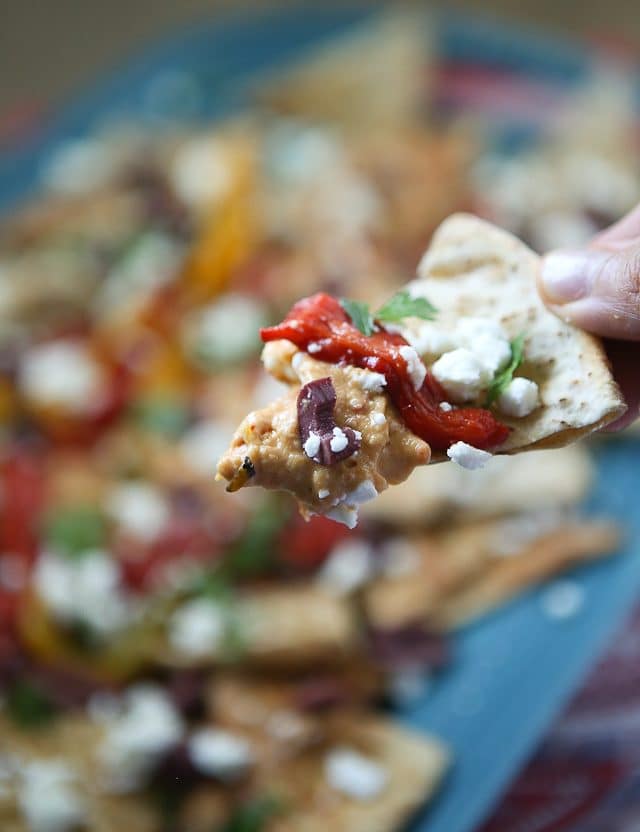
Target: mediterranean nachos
[[373, 395]]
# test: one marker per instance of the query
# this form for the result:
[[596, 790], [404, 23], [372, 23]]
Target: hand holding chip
[[598, 289]]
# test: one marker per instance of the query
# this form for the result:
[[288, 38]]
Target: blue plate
[[514, 671]]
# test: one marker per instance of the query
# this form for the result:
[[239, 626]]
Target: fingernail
[[566, 275]]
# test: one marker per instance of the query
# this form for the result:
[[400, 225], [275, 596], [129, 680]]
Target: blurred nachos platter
[[178, 658]]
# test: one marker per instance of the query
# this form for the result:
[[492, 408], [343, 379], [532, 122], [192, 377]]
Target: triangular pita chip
[[474, 269]]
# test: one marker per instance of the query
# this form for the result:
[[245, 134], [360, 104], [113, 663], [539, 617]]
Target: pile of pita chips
[[465, 572]]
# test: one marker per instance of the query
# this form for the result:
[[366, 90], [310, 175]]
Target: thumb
[[596, 289]]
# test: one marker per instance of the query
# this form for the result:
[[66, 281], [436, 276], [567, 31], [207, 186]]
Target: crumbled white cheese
[[296, 154], [416, 369], [152, 262], [220, 753], [296, 360], [371, 382], [80, 166], [342, 513], [227, 330], [62, 373], [347, 568], [339, 440], [203, 445], [494, 353], [313, 347], [520, 398], [312, 445], [469, 329], [140, 509], [563, 599], [85, 589], [324, 492], [486, 339], [429, 340], [466, 456], [350, 772], [378, 418], [362, 493], [461, 374], [445, 406], [197, 628], [48, 797], [148, 727], [398, 557], [200, 171]]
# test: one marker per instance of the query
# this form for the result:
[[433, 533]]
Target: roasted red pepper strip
[[321, 320]]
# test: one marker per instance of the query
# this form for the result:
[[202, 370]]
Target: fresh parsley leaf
[[403, 305], [253, 553], [27, 706], [360, 315], [73, 531], [504, 377], [253, 815], [400, 306]]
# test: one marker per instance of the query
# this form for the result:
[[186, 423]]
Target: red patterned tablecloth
[[585, 777]]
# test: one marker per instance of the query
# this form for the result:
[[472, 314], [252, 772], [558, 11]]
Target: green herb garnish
[[254, 552], [401, 305], [167, 417], [360, 315], [250, 556], [73, 531], [253, 815], [27, 706], [504, 377]]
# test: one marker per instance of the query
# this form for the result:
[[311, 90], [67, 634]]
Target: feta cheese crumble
[[353, 774], [371, 382], [147, 727], [520, 398], [312, 445], [140, 509], [62, 373], [342, 513], [203, 445], [362, 493], [347, 568], [466, 456], [324, 492], [486, 339], [197, 628], [200, 172], [84, 589], [339, 440], [461, 374], [416, 369], [378, 418], [227, 330], [48, 797], [220, 753], [429, 340], [313, 348], [563, 599]]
